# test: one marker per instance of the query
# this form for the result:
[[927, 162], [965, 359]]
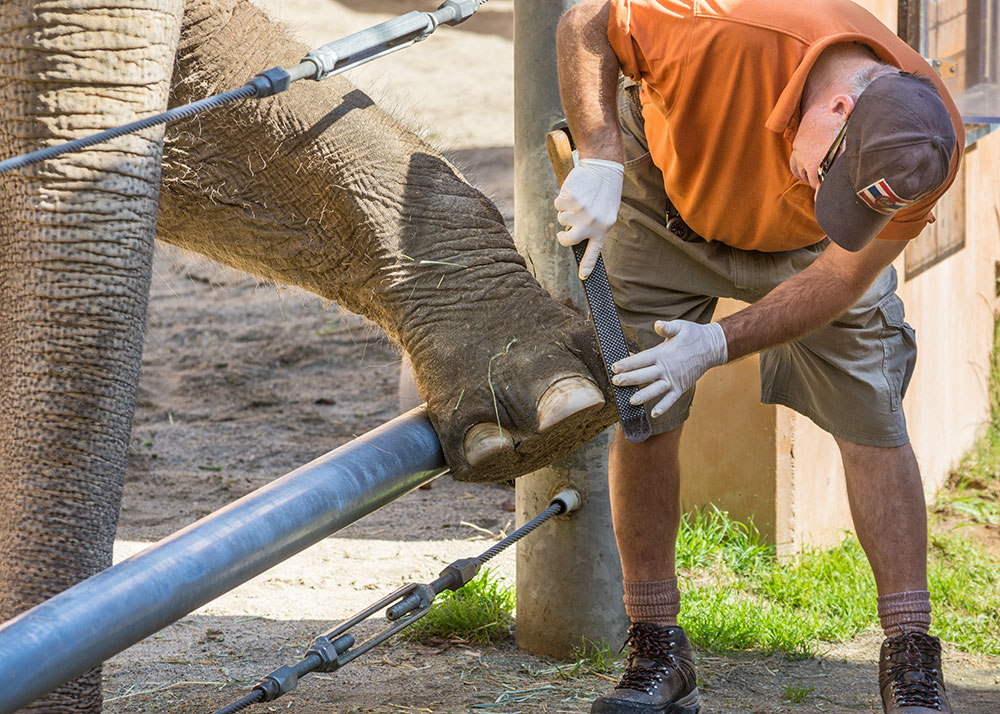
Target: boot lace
[[911, 670], [651, 643]]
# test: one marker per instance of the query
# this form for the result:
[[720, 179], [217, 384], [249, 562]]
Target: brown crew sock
[[656, 601], [905, 612]]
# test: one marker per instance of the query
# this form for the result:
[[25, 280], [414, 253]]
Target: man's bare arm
[[809, 300], [588, 80]]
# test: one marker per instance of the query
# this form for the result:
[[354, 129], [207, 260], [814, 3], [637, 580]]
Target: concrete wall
[[776, 466], [951, 306]]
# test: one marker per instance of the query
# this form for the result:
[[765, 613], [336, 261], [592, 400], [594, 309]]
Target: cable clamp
[[272, 81], [335, 648]]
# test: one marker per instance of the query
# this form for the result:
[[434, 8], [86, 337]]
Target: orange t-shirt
[[722, 81]]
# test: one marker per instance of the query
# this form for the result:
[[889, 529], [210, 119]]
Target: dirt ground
[[243, 381]]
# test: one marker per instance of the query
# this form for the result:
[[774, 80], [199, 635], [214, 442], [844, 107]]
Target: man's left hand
[[671, 368]]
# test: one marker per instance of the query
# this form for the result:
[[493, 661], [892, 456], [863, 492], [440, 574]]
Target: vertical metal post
[[569, 582]]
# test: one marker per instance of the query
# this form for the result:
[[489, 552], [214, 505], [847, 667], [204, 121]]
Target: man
[[772, 152]]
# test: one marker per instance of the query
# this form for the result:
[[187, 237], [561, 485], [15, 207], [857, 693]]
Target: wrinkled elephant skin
[[319, 188], [76, 240], [316, 187]]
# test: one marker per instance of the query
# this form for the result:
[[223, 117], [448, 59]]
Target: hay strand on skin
[[489, 381], [404, 256]]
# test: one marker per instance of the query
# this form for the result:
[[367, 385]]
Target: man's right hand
[[588, 206]]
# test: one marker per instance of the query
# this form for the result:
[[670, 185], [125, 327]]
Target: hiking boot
[[909, 675], [660, 675]]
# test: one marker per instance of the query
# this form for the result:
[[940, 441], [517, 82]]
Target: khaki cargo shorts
[[848, 377]]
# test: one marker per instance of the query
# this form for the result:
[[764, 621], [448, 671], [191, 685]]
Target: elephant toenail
[[485, 441], [566, 398]]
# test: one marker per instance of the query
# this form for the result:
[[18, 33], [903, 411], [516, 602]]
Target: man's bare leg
[[644, 481], [890, 517], [887, 503]]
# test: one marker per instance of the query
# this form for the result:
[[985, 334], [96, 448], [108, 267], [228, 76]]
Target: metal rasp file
[[604, 313]]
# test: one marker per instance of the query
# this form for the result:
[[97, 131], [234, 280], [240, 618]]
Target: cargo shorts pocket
[[633, 125], [637, 158], [899, 348]]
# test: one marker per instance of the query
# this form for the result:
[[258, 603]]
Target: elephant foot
[[564, 400], [506, 407]]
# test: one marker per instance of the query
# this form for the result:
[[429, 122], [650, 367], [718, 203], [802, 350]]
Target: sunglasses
[[832, 153]]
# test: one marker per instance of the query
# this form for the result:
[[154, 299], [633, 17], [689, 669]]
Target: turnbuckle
[[385, 38], [418, 598], [335, 648], [326, 61]]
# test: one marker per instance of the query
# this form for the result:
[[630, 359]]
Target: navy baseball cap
[[899, 144]]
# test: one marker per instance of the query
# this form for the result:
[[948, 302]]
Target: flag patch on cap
[[880, 197]]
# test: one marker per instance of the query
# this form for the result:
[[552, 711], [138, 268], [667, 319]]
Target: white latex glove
[[671, 368], [588, 206]]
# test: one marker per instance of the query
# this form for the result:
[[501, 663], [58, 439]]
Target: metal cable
[[253, 697], [553, 510], [182, 112]]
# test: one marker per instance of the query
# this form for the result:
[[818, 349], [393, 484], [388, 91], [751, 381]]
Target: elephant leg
[[320, 188], [76, 239]]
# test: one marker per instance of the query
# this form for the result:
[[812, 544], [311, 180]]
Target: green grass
[[481, 612], [835, 585], [595, 658], [795, 605], [727, 618], [709, 539], [968, 503], [965, 585], [796, 695], [739, 595], [973, 491]]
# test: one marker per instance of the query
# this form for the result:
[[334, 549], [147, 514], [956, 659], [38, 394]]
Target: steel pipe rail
[[81, 627]]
